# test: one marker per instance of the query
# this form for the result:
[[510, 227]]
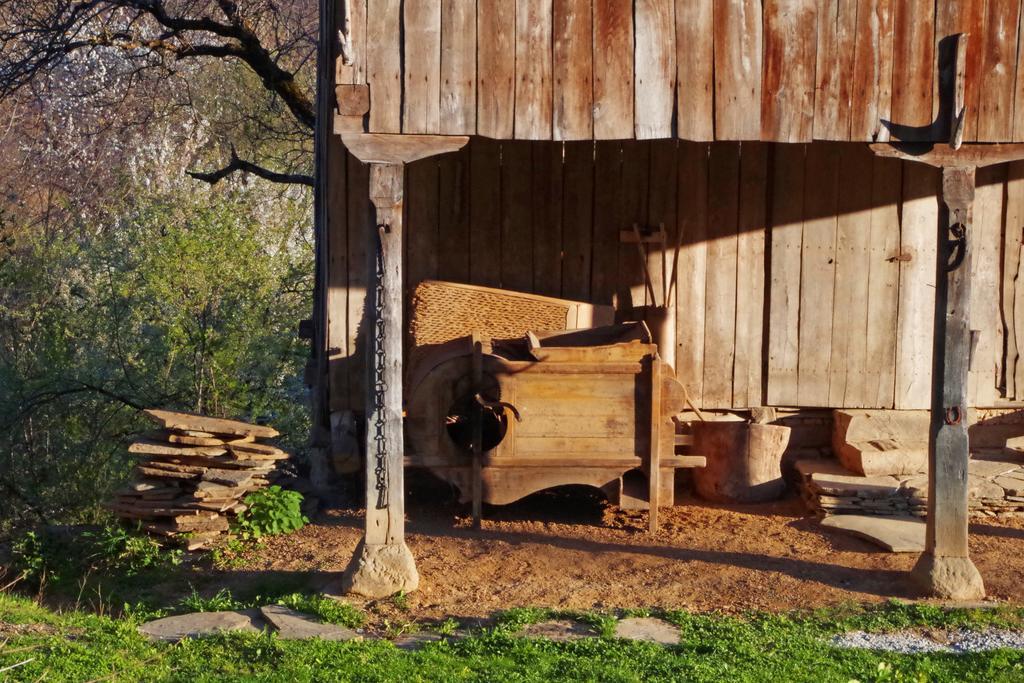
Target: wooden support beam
[[383, 564], [388, 149], [942, 155], [944, 569]]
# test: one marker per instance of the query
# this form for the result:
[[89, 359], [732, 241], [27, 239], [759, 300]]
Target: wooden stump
[[743, 461]]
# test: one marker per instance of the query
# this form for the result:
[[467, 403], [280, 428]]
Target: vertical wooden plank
[[485, 213], [422, 96], [613, 70], [750, 276], [516, 216], [337, 276], [533, 70], [384, 66], [913, 69], [573, 70], [691, 268], [607, 221], [636, 158], [917, 286], [577, 219], [985, 267], [358, 278], [818, 270], [458, 67], [872, 71], [883, 281], [787, 95], [848, 370], [964, 16], [720, 294], [496, 68], [998, 71], [786, 246], [547, 218], [454, 216], [1013, 238], [837, 24], [655, 68], [661, 211], [695, 58], [738, 50], [1018, 98], [422, 224], [356, 71]]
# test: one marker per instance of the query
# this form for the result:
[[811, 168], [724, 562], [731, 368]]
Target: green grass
[[757, 647]]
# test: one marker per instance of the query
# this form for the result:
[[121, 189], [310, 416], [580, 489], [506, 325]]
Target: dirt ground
[[570, 550]]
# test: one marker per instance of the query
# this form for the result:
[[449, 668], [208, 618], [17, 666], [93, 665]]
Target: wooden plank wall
[[805, 272], [770, 70]]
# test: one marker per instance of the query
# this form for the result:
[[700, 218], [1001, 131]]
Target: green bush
[[271, 511], [56, 556]]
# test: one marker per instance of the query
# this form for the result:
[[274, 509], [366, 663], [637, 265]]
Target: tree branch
[[241, 165]]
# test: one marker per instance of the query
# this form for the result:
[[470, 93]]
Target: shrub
[[271, 511], [58, 555]]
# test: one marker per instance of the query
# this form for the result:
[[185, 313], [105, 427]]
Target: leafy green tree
[[177, 299]]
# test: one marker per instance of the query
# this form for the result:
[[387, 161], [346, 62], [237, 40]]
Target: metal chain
[[380, 384]]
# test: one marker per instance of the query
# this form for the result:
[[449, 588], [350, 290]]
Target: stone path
[[647, 629], [995, 488], [559, 630], [292, 625], [199, 624]]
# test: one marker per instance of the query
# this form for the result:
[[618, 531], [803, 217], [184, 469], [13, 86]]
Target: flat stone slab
[[855, 485], [648, 630], [990, 468], [897, 534], [292, 625], [558, 630], [200, 624], [414, 641]]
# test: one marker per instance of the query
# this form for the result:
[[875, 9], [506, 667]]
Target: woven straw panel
[[442, 311]]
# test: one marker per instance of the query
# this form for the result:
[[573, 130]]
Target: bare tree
[[154, 41]]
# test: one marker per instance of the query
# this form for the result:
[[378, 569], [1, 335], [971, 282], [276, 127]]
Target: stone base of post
[[380, 571], [949, 578]]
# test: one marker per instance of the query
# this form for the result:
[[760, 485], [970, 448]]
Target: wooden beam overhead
[[382, 148], [941, 155]]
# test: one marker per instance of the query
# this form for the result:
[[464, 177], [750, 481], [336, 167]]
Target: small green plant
[[29, 555], [401, 601], [271, 511], [58, 556], [115, 547]]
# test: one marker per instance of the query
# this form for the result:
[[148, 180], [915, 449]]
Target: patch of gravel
[[956, 641]]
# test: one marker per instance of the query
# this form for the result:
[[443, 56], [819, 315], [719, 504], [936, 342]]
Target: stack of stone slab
[[194, 474], [995, 488], [881, 464]]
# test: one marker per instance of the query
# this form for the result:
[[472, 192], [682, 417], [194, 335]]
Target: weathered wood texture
[[771, 70], [804, 276]]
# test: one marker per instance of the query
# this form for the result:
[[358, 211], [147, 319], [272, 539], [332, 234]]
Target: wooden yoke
[[382, 564]]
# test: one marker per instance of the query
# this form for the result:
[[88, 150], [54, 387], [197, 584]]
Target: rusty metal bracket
[[954, 415]]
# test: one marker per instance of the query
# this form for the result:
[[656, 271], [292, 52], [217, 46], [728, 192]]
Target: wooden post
[[654, 457], [384, 565], [944, 569]]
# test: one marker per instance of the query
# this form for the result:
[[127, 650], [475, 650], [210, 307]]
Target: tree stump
[[743, 461]]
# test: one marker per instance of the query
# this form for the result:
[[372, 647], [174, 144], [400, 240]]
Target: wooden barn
[[817, 191]]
